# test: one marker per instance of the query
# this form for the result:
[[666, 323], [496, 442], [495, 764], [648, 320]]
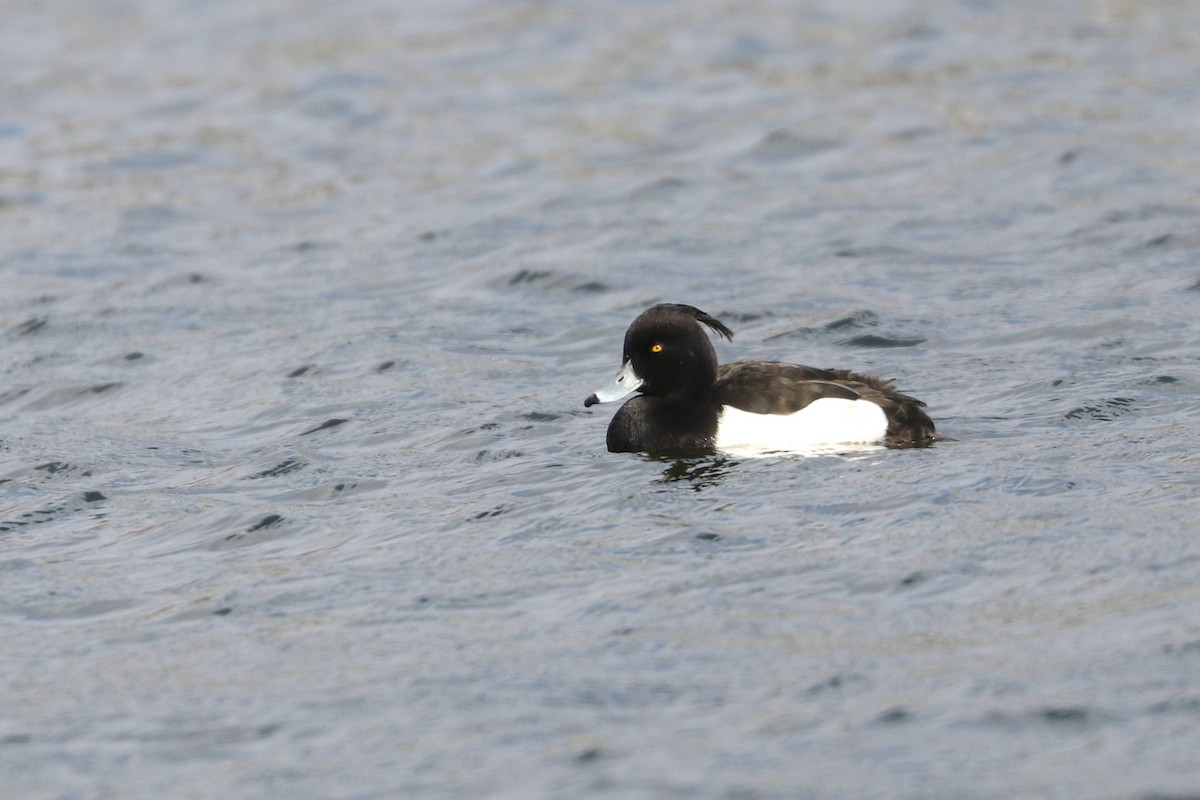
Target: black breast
[[655, 425]]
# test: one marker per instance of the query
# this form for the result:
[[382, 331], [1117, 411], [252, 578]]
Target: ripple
[[781, 145], [875, 340]]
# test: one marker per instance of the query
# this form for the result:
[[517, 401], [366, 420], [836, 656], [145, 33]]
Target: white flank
[[816, 428]]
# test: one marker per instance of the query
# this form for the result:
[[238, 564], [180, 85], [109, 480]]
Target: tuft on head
[[712, 322]]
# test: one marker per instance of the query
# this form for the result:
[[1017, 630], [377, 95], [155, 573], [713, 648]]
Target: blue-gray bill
[[626, 383]]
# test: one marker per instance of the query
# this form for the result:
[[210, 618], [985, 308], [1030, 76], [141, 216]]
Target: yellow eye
[[656, 348]]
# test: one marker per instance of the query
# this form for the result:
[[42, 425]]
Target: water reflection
[[703, 470], [699, 471]]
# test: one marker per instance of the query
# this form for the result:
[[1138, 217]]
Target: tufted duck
[[686, 403]]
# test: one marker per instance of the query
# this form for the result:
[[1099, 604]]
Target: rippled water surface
[[300, 302]]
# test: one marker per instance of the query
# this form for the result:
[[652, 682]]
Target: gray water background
[[299, 303]]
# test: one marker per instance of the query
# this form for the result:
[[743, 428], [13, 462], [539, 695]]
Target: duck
[[686, 403]]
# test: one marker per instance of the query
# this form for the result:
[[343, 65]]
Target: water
[[301, 302]]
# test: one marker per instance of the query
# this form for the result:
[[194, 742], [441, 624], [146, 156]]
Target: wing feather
[[771, 387]]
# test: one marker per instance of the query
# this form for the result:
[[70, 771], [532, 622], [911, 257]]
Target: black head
[[671, 353]]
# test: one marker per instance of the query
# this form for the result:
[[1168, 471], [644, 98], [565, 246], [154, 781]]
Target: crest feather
[[712, 322]]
